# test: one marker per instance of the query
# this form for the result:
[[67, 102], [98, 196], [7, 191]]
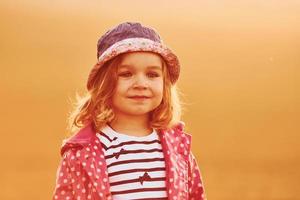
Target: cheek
[[158, 88], [119, 91], [121, 87]]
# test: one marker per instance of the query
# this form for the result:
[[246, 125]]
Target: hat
[[132, 37]]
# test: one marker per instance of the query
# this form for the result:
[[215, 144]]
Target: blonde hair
[[95, 106]]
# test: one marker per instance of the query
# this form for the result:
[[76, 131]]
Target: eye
[[153, 74], [125, 74]]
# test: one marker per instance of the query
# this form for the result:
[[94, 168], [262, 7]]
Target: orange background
[[240, 76]]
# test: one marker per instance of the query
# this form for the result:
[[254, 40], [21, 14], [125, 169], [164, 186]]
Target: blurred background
[[240, 79]]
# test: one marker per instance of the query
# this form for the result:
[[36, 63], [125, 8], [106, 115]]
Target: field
[[239, 79]]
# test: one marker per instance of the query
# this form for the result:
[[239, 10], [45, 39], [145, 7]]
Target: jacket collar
[[87, 134], [83, 137]]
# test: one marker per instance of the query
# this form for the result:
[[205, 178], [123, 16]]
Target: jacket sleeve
[[196, 188], [66, 176]]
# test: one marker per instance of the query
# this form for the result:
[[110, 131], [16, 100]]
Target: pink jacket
[[82, 172]]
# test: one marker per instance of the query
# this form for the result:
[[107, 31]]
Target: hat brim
[[134, 45]]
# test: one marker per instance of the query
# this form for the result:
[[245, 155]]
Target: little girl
[[129, 142]]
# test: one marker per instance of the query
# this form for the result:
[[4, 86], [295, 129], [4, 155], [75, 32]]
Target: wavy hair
[[95, 105]]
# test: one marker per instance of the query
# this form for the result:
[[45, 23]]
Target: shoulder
[[82, 152], [178, 137], [178, 131], [84, 137]]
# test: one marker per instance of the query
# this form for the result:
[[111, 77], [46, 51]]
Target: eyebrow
[[148, 67]]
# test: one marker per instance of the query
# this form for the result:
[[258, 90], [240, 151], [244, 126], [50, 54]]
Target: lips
[[137, 97]]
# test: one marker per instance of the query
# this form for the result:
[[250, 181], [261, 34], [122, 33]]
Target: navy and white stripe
[[136, 166]]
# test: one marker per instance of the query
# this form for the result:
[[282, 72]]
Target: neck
[[133, 126]]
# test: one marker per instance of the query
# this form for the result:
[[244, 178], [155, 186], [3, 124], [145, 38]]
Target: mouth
[[139, 97]]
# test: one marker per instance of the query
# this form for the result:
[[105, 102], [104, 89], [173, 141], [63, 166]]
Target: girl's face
[[139, 88]]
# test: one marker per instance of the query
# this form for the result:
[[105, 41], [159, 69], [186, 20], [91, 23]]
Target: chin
[[140, 113], [137, 112]]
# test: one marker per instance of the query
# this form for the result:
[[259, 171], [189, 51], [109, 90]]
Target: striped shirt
[[136, 166]]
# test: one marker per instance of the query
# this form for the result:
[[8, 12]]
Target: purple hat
[[132, 37]]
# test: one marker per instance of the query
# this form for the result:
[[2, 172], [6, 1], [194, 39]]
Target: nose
[[140, 82]]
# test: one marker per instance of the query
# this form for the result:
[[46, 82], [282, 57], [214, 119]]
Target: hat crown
[[124, 31]]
